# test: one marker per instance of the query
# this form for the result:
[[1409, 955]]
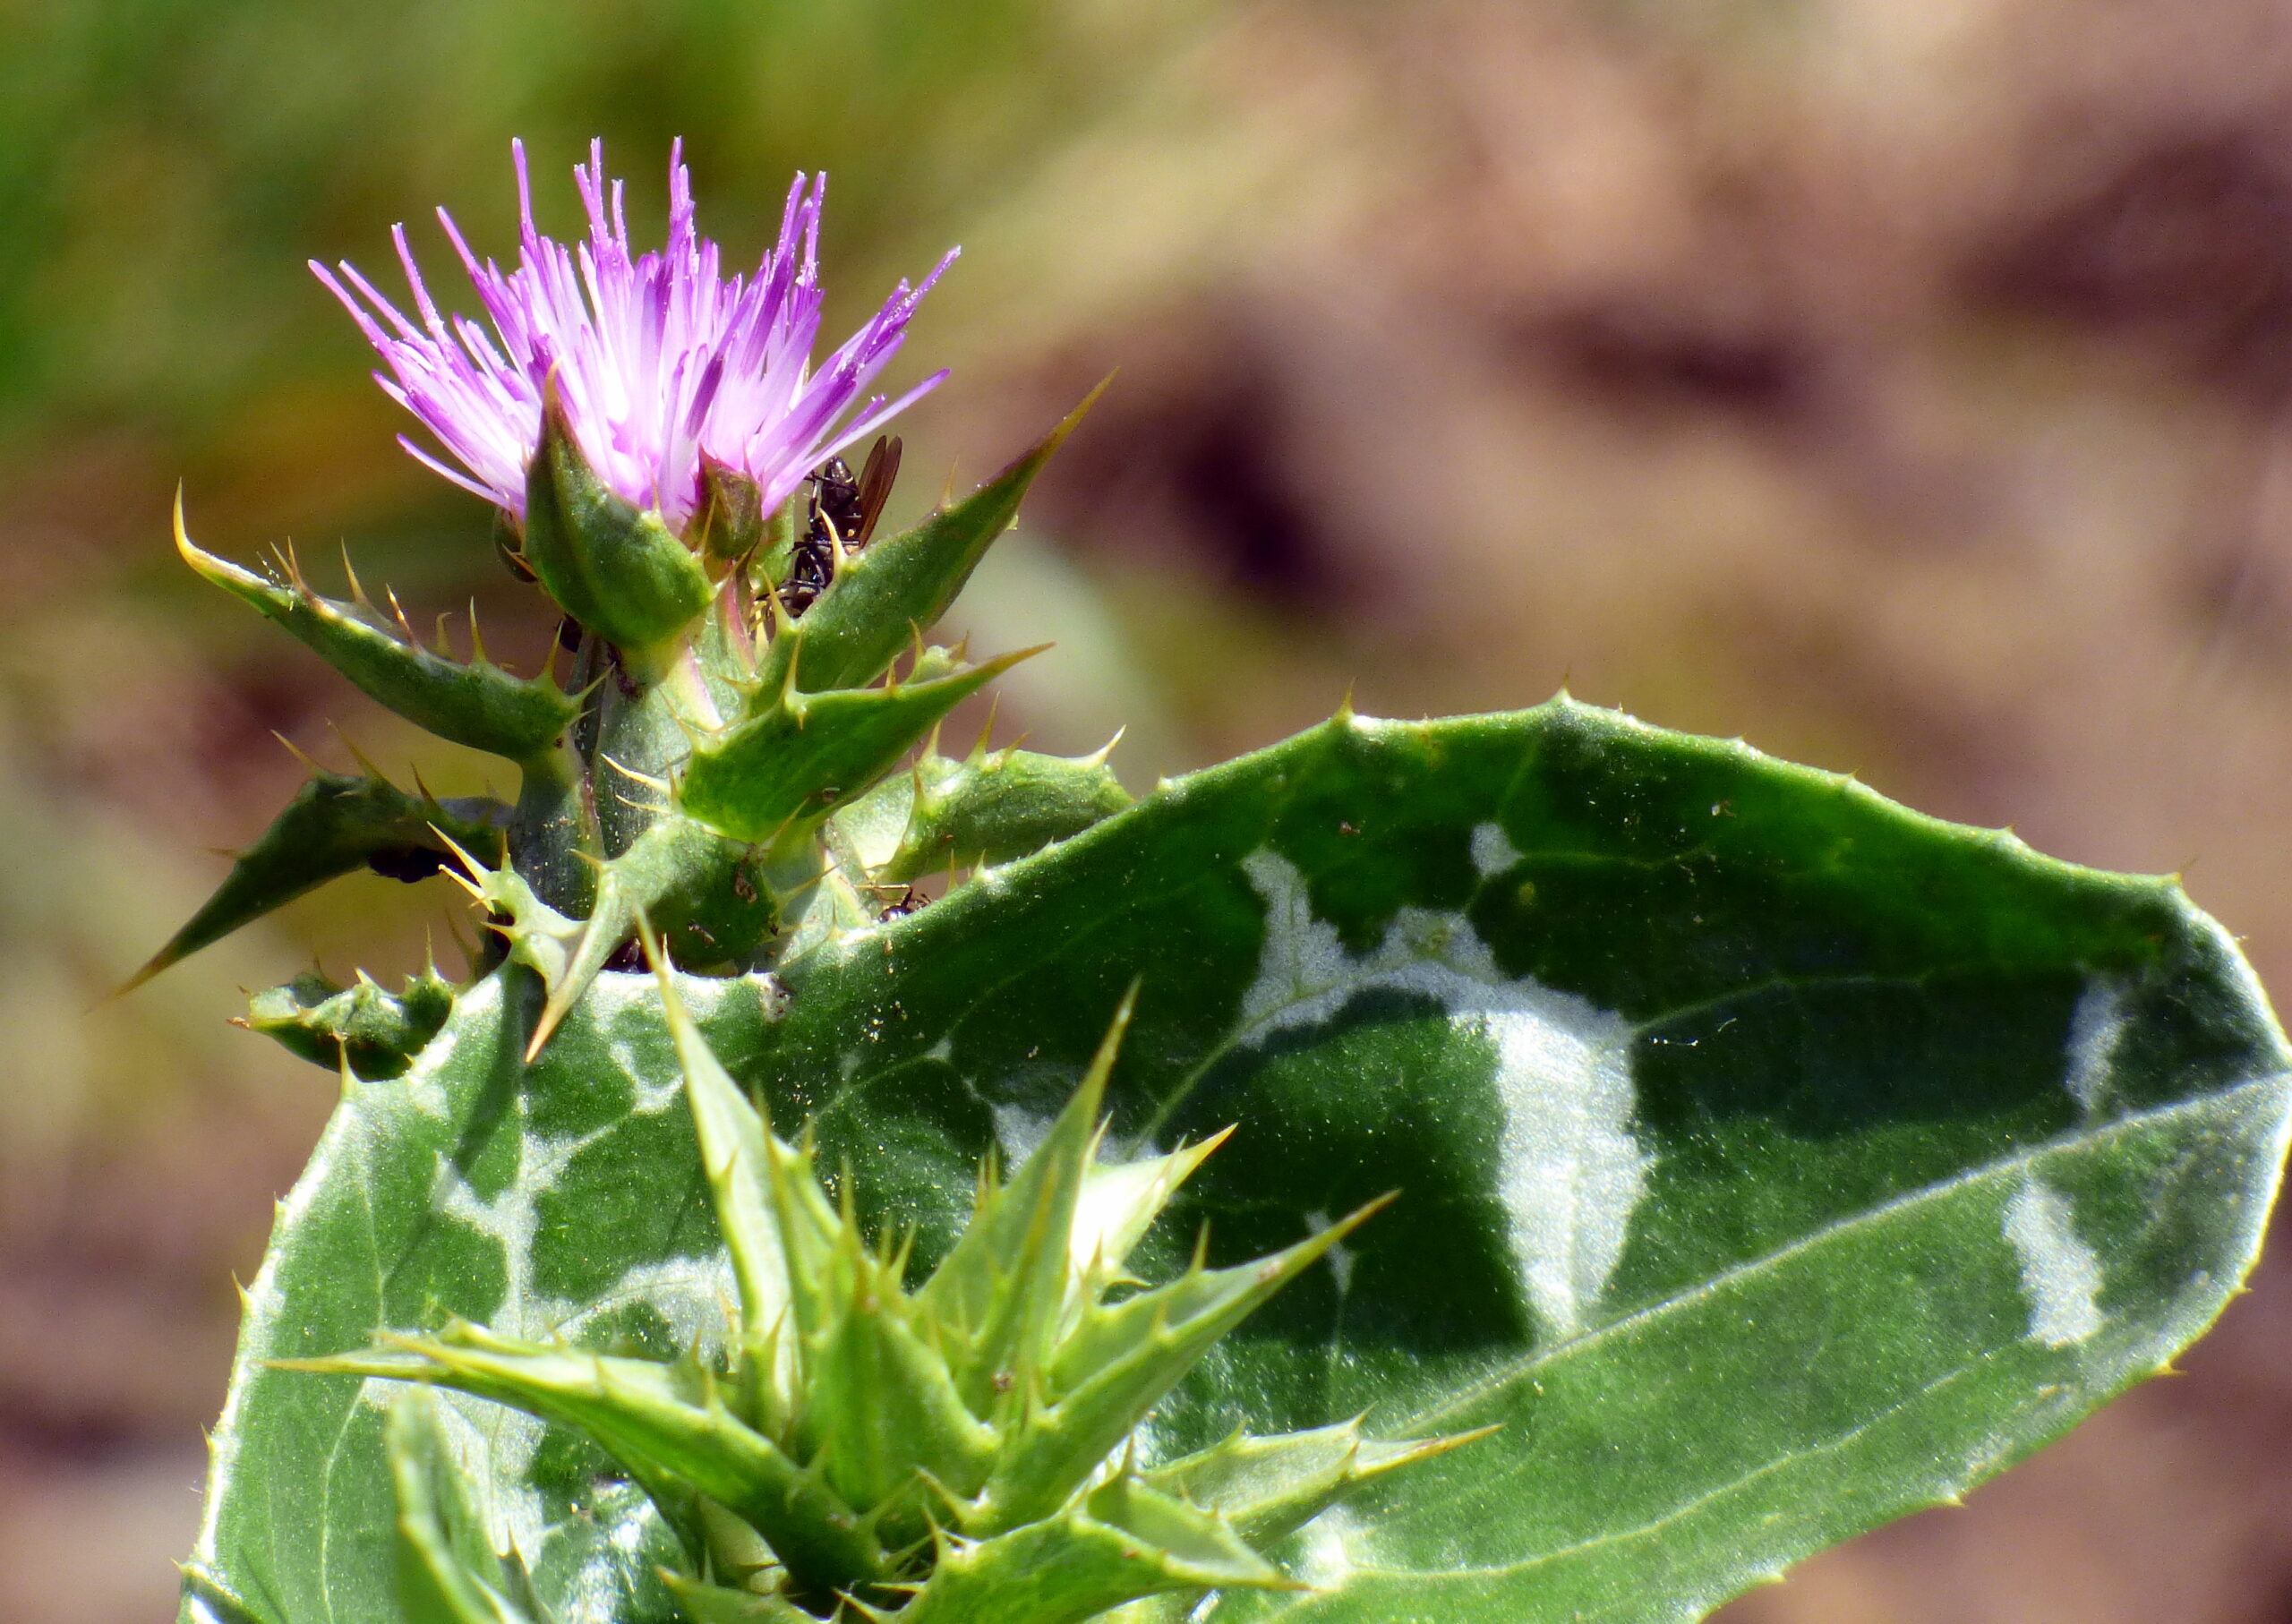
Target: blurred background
[[1903, 384]]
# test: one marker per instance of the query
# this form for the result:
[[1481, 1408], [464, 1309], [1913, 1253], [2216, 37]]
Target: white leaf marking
[[2095, 1027], [1492, 851], [2060, 1274], [1570, 1172]]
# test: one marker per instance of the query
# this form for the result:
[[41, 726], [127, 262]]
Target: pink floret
[[658, 360]]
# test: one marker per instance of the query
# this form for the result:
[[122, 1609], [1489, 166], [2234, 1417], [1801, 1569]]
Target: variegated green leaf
[[1771, 1161]]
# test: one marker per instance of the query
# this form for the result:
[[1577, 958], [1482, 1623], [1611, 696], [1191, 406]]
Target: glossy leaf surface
[[1772, 1162]]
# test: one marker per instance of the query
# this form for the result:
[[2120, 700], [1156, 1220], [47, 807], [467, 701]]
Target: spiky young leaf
[[883, 1405], [785, 770], [880, 1376], [449, 1571], [988, 807], [374, 1033], [1119, 1202], [1266, 1487], [1117, 1366], [336, 823], [997, 1294], [704, 1603], [836, 1440], [663, 1422], [1129, 1541], [478, 704], [752, 1186], [1896, 1150]]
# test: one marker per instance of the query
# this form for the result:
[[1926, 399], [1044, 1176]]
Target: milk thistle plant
[[1517, 1167]]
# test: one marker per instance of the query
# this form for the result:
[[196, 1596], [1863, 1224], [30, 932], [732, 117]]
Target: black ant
[[908, 900], [841, 515]]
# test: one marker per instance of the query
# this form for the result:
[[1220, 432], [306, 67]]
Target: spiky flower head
[[954, 1453], [658, 360]]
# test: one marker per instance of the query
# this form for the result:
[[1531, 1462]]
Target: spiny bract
[[729, 769], [960, 1453]]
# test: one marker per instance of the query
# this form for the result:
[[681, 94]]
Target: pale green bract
[[1769, 1161]]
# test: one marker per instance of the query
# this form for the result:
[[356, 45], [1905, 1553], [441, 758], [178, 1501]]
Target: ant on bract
[[840, 520]]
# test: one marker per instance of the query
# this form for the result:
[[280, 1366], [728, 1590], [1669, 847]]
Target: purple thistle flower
[[658, 361]]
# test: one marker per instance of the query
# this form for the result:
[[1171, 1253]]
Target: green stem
[[644, 735], [553, 838]]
